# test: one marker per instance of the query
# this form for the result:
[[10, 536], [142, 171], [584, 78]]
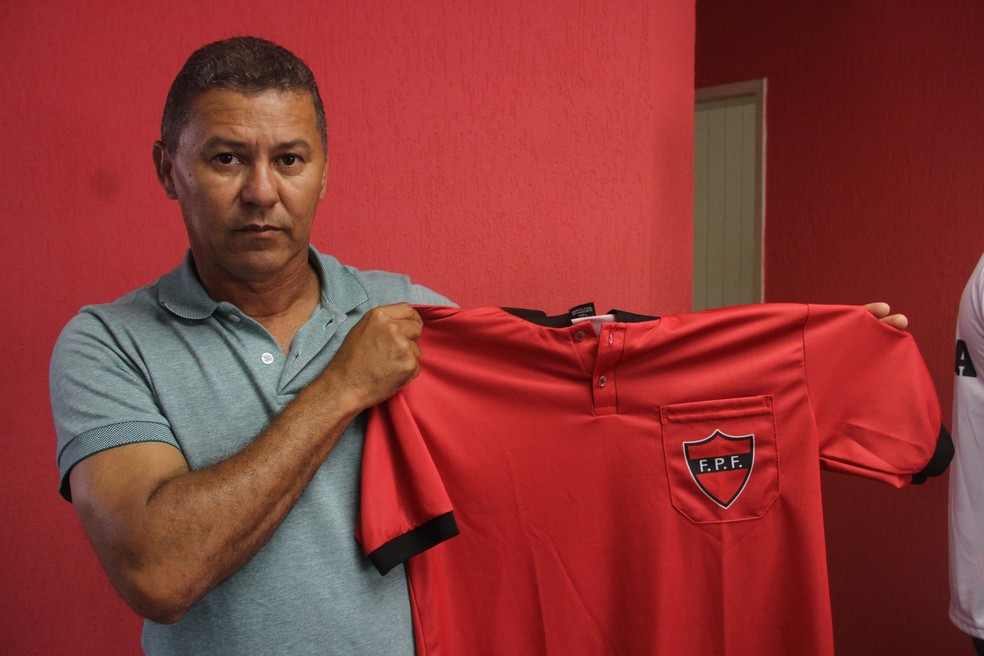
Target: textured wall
[[874, 161], [503, 152]]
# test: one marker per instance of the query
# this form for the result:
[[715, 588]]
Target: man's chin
[[263, 264]]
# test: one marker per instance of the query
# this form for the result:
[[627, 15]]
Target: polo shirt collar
[[340, 288], [182, 293]]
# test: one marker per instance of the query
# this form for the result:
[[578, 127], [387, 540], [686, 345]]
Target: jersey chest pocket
[[722, 458]]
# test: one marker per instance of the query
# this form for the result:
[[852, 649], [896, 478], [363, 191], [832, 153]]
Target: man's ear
[[163, 166], [324, 179]]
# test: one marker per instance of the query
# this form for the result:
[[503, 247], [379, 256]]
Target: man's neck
[[280, 303]]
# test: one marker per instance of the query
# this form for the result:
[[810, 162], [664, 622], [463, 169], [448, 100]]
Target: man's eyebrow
[[223, 142], [296, 144]]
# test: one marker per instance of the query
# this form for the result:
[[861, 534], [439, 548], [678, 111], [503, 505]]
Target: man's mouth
[[262, 228]]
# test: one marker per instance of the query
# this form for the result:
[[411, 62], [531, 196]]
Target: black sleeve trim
[[417, 541], [940, 460]]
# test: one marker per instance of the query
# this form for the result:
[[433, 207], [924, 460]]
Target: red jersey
[[650, 489]]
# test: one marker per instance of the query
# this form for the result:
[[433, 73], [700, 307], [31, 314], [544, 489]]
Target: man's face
[[248, 172]]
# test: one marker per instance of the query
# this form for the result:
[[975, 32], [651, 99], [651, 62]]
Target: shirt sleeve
[[876, 409], [100, 396], [404, 508]]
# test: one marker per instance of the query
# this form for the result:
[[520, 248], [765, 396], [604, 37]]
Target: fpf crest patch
[[721, 465]]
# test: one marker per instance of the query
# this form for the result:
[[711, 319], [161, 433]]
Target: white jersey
[[967, 471]]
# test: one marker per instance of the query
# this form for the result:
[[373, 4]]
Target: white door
[[729, 191]]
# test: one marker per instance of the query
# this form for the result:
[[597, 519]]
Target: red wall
[[874, 161], [504, 152]]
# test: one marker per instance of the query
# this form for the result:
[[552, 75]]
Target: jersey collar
[[540, 318]]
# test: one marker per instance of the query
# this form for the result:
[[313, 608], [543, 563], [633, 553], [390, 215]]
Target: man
[[209, 424], [966, 488]]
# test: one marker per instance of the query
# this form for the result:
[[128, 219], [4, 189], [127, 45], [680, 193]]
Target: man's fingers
[[400, 311], [883, 312], [400, 319], [899, 321], [879, 309]]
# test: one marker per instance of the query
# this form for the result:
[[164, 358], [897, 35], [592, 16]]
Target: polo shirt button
[[578, 335], [602, 381], [266, 358], [234, 318]]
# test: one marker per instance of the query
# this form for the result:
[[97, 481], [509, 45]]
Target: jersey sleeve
[[874, 403], [100, 396], [404, 508]]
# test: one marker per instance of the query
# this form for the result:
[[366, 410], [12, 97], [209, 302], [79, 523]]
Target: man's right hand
[[379, 355]]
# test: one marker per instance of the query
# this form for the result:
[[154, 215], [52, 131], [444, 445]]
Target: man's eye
[[290, 159], [225, 158]]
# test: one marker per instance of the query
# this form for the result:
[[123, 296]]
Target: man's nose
[[260, 186]]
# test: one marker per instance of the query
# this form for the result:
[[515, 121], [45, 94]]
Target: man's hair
[[245, 64]]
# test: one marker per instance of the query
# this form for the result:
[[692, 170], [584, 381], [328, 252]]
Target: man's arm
[[166, 536]]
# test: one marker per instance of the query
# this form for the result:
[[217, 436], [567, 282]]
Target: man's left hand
[[884, 314]]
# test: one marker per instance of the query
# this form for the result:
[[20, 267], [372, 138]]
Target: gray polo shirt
[[167, 363]]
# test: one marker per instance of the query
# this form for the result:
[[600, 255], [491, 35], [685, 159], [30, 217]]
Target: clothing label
[[582, 311]]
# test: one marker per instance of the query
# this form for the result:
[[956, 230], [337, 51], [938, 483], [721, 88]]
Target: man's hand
[[884, 314], [380, 354]]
